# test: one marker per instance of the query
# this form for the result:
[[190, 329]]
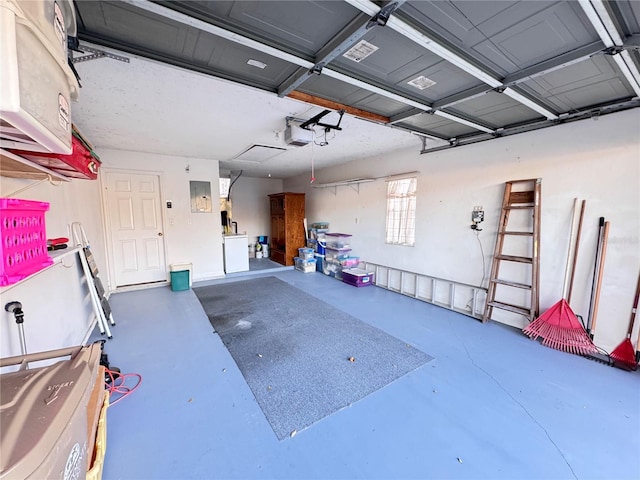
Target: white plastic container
[[36, 89], [55, 19]]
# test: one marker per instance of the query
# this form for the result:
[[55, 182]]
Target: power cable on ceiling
[[231, 185]]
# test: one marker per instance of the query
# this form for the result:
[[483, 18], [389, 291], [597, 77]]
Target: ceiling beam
[[323, 102], [605, 25], [449, 55]]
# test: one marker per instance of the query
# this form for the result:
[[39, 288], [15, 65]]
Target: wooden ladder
[[518, 199]]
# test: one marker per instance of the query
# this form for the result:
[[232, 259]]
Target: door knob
[[159, 234]]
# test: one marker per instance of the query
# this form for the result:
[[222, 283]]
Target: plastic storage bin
[[180, 280], [357, 277], [337, 253], [338, 240], [305, 253], [305, 265], [332, 267], [44, 414], [37, 85], [24, 239], [55, 20], [350, 262], [180, 276]]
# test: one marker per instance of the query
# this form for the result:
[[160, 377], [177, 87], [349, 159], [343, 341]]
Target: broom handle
[[605, 234], [565, 284], [575, 251], [595, 274], [634, 312]]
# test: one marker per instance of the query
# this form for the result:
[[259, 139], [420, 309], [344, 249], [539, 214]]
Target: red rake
[[559, 328], [624, 354]]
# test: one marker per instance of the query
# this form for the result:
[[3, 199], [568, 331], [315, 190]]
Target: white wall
[[250, 205], [57, 307], [189, 237], [597, 160]]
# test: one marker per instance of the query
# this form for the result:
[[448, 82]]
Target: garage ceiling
[[458, 71]]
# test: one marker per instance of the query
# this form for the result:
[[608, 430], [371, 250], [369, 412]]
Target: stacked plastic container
[[305, 261], [338, 254], [24, 239]]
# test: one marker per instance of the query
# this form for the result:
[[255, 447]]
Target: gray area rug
[[294, 350]]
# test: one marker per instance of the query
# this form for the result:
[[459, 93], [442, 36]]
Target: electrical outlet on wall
[[477, 217]]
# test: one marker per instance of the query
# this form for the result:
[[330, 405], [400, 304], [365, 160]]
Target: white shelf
[[56, 255], [354, 183], [15, 166]]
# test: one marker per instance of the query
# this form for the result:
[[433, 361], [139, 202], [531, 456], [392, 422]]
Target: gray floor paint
[[492, 404]]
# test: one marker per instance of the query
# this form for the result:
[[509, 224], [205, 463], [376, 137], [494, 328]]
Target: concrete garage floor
[[492, 404]]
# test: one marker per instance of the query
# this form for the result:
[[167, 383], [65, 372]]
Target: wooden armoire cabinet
[[287, 226]]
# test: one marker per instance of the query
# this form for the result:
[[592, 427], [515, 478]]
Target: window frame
[[400, 227]]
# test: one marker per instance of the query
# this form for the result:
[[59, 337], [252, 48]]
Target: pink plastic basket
[[24, 240]]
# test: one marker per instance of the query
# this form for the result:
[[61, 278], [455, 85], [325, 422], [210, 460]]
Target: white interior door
[[135, 224]]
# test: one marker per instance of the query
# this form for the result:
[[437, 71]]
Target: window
[[401, 212], [224, 187]]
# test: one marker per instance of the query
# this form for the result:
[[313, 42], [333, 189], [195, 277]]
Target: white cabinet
[[236, 253]]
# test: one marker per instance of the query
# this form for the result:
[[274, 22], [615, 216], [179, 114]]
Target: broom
[[624, 354], [559, 327]]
